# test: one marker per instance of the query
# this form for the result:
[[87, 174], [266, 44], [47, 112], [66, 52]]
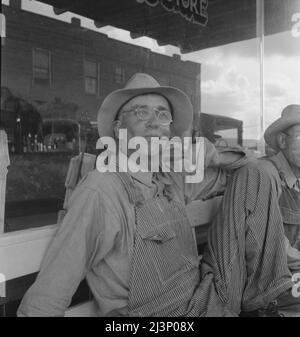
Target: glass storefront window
[[56, 71], [230, 113], [282, 74]]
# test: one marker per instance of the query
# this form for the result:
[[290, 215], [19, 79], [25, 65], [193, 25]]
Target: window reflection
[[282, 74], [41, 66], [53, 82], [91, 76], [230, 113]]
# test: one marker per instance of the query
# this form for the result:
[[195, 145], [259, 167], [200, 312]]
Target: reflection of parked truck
[[212, 124], [61, 134], [19, 118], [69, 134]]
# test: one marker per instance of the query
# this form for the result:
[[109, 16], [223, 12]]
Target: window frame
[[119, 77], [37, 80], [96, 77]]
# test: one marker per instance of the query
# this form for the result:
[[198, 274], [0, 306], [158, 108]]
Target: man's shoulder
[[262, 166], [260, 169], [103, 182], [267, 165]]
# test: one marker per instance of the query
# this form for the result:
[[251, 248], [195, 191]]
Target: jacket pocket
[[167, 254]]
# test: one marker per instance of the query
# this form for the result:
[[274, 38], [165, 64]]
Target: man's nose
[[153, 121]]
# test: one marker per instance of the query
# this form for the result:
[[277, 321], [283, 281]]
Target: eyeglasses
[[142, 113]]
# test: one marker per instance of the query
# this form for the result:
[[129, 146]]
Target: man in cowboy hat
[[262, 204], [127, 231], [284, 137]]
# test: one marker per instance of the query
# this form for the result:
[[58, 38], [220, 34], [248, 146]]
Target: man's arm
[[228, 159], [65, 262], [215, 165], [293, 256]]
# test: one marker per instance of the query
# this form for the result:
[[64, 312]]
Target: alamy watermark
[[296, 27], [152, 154], [2, 285], [296, 287]]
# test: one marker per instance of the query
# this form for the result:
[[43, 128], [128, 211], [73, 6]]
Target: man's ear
[[116, 127], [281, 140]]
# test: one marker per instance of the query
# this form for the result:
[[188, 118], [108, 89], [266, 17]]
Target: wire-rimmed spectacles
[[144, 113]]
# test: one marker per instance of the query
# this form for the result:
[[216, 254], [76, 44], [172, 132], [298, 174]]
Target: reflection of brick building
[[66, 70]]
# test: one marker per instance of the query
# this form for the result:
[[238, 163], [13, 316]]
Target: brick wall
[[69, 45]]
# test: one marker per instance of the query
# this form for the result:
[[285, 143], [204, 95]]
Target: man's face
[[291, 147], [145, 128]]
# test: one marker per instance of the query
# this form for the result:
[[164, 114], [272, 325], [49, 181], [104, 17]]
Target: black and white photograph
[[150, 161]]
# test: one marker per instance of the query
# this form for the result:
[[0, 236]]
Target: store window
[[281, 71], [41, 66], [91, 77], [119, 75], [230, 94], [238, 85]]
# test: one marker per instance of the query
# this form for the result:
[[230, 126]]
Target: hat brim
[[278, 126], [182, 108]]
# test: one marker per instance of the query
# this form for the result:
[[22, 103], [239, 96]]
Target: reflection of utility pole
[[4, 163], [3, 29], [19, 135], [84, 118], [260, 26], [79, 138]]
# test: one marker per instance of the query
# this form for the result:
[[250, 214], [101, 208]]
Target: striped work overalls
[[164, 272], [289, 203]]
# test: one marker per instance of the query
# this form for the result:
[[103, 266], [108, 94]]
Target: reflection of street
[[61, 134], [27, 131], [20, 119]]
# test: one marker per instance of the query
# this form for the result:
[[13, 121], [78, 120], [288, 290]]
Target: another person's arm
[[228, 159], [293, 256]]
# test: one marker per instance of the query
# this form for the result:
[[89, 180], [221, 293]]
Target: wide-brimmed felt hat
[[139, 84], [290, 116]]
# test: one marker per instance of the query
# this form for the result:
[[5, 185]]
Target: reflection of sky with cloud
[[231, 74]]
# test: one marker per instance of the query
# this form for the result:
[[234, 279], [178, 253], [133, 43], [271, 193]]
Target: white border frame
[[21, 252]]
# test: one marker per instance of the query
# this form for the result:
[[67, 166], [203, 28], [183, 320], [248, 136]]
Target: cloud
[[282, 88], [246, 49], [231, 81], [212, 71], [275, 90], [283, 44], [232, 95], [232, 89], [236, 80]]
